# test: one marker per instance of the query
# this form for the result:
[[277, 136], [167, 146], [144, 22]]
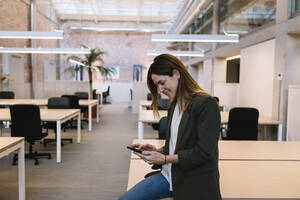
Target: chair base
[[33, 156], [50, 140]]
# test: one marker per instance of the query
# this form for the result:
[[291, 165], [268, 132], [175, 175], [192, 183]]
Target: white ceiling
[[137, 11]]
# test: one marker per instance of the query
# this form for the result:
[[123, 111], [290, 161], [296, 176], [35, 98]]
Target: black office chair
[[163, 104], [162, 128], [56, 103], [242, 124], [74, 104], [26, 122], [7, 95], [82, 95], [105, 95], [149, 96]]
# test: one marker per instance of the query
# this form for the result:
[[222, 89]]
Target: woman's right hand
[[144, 147]]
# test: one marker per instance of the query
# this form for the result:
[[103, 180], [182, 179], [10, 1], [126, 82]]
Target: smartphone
[[134, 149]]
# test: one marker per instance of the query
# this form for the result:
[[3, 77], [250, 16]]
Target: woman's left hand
[[153, 157]]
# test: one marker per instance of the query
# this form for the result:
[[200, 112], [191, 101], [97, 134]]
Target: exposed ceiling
[[161, 12]]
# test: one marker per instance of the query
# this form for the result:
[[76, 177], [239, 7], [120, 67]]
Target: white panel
[[206, 75], [16, 71], [256, 77], [293, 113], [49, 71], [227, 93]]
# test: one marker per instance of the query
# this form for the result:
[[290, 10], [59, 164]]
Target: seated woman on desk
[[190, 155]]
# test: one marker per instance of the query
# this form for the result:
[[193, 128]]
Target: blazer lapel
[[170, 116], [182, 126]]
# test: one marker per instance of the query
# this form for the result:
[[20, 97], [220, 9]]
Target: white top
[[166, 168]]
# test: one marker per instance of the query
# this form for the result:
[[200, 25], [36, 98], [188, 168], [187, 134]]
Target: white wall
[[58, 88], [119, 91], [139, 92], [256, 77], [204, 76]]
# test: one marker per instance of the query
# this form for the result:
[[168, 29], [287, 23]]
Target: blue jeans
[[152, 188]]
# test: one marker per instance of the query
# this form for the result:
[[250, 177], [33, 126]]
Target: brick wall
[[123, 49], [14, 16]]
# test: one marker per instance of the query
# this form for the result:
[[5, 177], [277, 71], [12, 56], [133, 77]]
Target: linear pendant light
[[45, 50], [177, 53], [194, 38], [76, 62], [31, 35]]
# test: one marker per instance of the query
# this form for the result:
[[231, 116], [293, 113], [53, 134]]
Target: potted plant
[[90, 62]]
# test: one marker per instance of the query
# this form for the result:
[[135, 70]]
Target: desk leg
[[98, 107], [140, 130], [21, 171], [279, 132], [58, 142], [90, 117], [78, 128], [140, 108], [101, 98]]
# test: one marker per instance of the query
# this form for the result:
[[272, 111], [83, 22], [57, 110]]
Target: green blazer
[[196, 175]]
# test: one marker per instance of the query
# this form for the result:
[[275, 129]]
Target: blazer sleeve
[[207, 129]]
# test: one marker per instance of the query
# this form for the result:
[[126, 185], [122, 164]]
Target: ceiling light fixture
[[103, 29], [177, 53], [194, 38], [31, 35], [233, 57], [45, 50], [76, 62]]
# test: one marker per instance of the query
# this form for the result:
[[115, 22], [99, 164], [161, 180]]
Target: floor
[[97, 168]]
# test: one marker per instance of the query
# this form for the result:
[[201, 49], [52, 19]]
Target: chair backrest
[[217, 99], [162, 128], [242, 124], [82, 95], [95, 94], [26, 122], [149, 96], [7, 95], [73, 99], [163, 104], [58, 103]]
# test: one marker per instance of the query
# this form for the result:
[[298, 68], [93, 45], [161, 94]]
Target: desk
[[267, 176], [262, 120], [53, 115], [247, 150], [90, 103], [9, 145], [44, 102], [146, 116]]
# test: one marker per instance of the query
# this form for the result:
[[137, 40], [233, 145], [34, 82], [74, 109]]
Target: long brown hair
[[187, 89]]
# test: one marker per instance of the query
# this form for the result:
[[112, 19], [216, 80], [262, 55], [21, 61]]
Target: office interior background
[[262, 70]]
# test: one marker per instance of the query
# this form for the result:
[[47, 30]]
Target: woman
[[190, 155]]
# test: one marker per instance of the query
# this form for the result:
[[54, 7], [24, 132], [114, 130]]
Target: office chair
[[56, 103], [162, 128], [26, 122], [82, 95], [242, 124], [105, 95], [149, 96], [162, 134], [7, 95], [163, 104], [74, 104]]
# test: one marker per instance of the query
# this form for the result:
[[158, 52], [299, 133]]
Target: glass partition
[[243, 16]]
